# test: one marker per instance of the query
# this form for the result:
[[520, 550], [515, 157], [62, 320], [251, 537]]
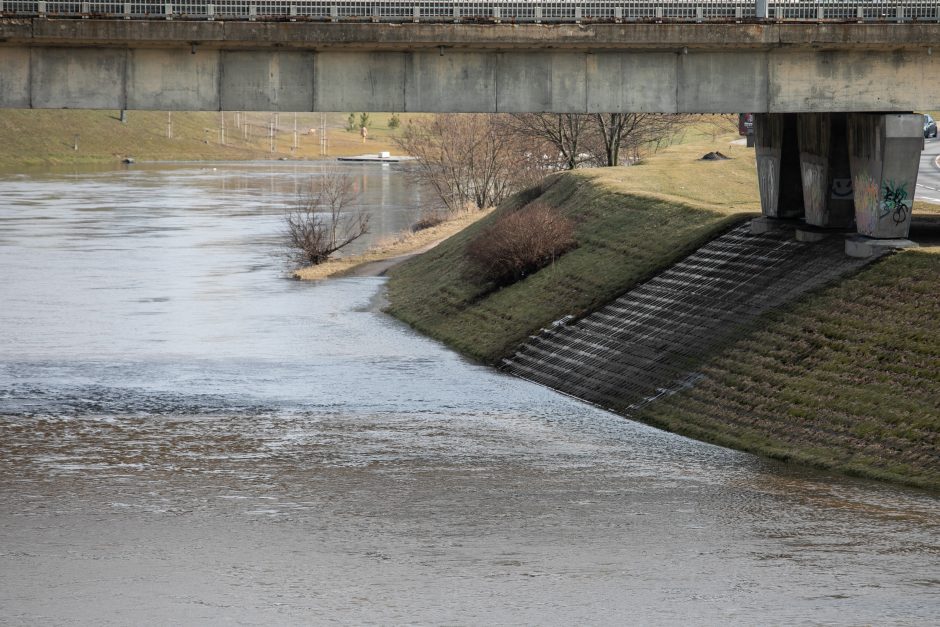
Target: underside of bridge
[[814, 160]]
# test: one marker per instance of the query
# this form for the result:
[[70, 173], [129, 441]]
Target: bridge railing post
[[168, 11], [761, 9], [41, 8], [127, 10]]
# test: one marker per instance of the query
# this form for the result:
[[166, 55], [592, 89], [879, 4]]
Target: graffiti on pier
[[841, 189], [866, 203], [895, 202]]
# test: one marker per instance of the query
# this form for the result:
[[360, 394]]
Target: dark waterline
[[185, 437]]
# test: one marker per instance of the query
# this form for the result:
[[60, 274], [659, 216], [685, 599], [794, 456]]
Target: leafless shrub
[[519, 243], [429, 218], [323, 219]]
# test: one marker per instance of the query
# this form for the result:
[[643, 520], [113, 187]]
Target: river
[[188, 437]]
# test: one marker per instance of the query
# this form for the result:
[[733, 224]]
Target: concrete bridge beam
[[884, 153]]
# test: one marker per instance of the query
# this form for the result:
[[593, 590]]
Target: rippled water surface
[[188, 437]]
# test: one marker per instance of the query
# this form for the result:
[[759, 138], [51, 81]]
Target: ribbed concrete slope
[[648, 342]]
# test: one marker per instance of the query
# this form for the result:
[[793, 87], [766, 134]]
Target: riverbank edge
[[803, 451], [391, 251]]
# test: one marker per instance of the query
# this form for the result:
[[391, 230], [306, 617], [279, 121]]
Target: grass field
[[630, 223], [848, 378], [40, 137]]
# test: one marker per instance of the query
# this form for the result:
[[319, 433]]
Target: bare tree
[[562, 133], [323, 219], [614, 133], [594, 139], [466, 159]]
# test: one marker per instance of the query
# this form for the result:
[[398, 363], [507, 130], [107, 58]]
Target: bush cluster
[[519, 243]]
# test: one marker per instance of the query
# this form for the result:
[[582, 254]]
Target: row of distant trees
[[476, 161]]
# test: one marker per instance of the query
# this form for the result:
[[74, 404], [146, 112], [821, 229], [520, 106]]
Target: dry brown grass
[[401, 245]]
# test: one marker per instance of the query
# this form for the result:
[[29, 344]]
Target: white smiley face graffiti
[[841, 189]]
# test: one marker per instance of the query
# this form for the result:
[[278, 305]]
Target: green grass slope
[[624, 237], [848, 378]]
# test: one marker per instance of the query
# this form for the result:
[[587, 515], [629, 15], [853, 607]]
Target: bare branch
[[322, 221]]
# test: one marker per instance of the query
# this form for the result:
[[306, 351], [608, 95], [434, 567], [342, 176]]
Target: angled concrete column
[[884, 152], [824, 168], [778, 165]]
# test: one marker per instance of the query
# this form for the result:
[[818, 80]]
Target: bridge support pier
[[778, 165], [824, 169], [884, 152], [836, 169]]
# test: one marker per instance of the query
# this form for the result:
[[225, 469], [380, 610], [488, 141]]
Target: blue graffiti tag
[[895, 202]]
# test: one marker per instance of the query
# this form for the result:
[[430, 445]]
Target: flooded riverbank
[[187, 437]]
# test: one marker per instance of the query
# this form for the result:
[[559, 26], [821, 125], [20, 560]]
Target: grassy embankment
[[46, 137], [848, 378], [628, 227]]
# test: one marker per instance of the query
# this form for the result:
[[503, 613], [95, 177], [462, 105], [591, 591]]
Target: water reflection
[[187, 437]]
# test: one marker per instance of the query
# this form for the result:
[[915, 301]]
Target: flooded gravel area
[[188, 437]]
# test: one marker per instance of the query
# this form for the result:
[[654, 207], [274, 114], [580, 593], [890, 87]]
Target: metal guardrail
[[536, 11]]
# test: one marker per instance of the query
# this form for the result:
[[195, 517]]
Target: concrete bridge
[[802, 78]]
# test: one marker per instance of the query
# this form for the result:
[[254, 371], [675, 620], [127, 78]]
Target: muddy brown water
[[186, 437]]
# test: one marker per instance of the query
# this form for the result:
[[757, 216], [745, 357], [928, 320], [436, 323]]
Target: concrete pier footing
[[862, 247]]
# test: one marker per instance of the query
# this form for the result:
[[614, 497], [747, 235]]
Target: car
[[930, 126]]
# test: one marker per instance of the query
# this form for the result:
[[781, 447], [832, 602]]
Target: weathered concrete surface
[[824, 168], [853, 80], [884, 152], [76, 78], [173, 80], [564, 90], [722, 82], [14, 78], [280, 81], [455, 81], [861, 247], [778, 165], [346, 80], [319, 36], [444, 67], [630, 82]]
